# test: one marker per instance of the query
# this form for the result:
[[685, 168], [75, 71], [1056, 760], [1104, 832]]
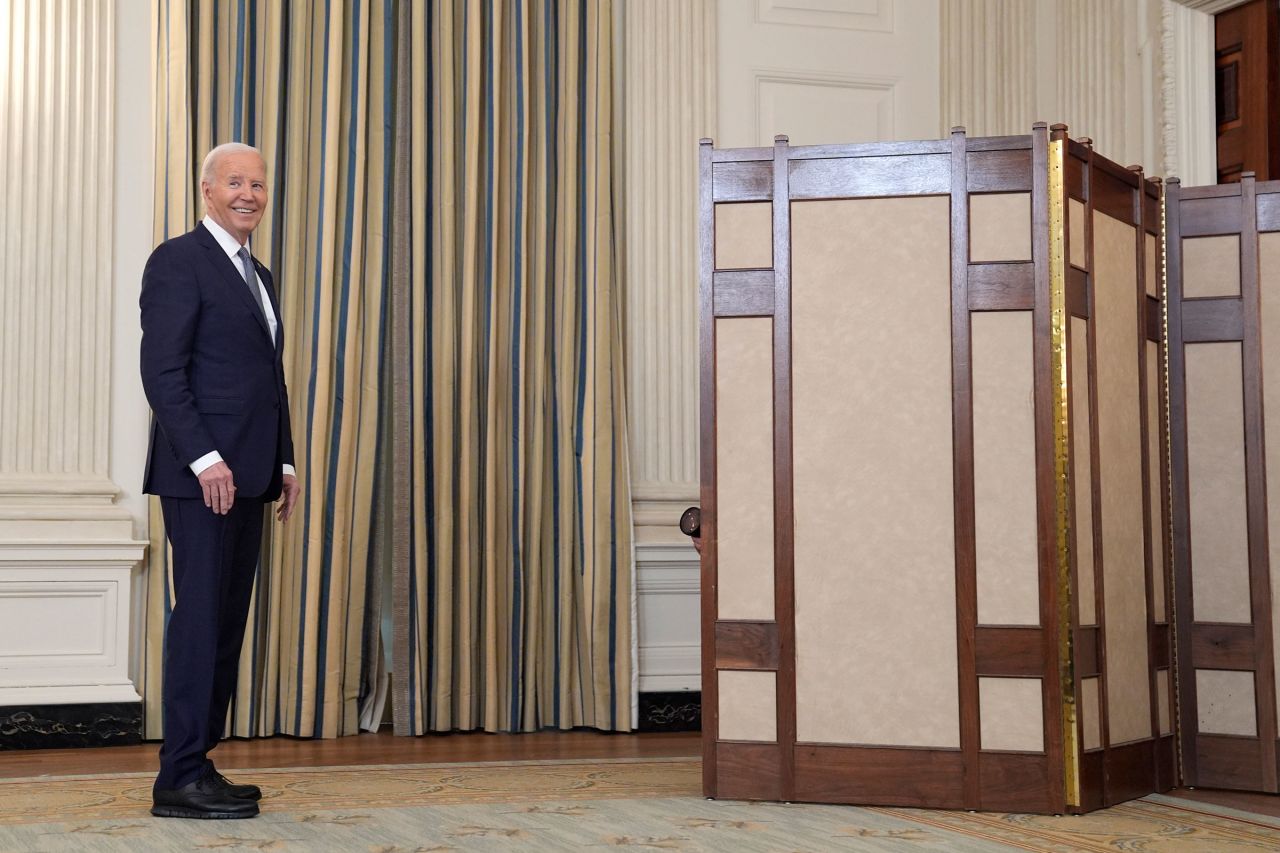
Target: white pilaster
[[66, 550], [1096, 65], [669, 103]]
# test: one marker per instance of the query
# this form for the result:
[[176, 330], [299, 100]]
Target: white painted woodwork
[[823, 71], [1136, 77], [669, 97], [67, 550]]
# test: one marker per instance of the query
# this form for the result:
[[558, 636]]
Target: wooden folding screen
[[1224, 374], [934, 563]]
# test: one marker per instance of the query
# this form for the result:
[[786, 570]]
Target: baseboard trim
[[70, 726]]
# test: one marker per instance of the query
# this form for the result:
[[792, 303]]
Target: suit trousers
[[215, 558]]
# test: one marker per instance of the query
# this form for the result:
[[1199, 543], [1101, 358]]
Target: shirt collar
[[229, 244]]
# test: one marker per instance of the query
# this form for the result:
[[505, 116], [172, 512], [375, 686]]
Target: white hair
[[211, 159]]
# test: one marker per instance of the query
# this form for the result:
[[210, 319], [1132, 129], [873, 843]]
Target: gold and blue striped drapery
[[442, 233], [307, 84], [512, 541]]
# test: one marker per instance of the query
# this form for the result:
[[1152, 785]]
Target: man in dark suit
[[221, 448]]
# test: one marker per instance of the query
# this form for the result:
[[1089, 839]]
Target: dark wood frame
[[968, 777], [1246, 209]]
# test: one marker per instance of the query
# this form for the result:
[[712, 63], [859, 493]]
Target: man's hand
[[219, 487], [288, 497]]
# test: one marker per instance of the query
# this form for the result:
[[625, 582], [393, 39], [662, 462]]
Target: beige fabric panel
[[1012, 714], [1269, 277], [1153, 280], [1004, 468], [748, 705], [1082, 470], [874, 536], [1000, 227], [1162, 702], [1089, 706], [1226, 702], [1211, 266], [1124, 530], [1155, 500], [1075, 233], [1216, 482], [744, 235], [744, 467]]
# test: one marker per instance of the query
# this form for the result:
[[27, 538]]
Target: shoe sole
[[197, 814]]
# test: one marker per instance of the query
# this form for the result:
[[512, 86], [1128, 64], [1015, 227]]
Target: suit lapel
[[265, 275], [232, 276]]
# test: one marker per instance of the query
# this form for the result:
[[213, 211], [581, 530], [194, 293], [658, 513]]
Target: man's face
[[237, 194]]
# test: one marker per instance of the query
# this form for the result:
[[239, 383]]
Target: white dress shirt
[[231, 246]]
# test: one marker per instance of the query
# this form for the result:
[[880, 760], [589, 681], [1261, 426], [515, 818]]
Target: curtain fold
[[307, 85], [441, 230], [513, 557]]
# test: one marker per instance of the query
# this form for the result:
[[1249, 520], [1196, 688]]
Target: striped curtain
[[308, 84], [512, 540], [442, 234]]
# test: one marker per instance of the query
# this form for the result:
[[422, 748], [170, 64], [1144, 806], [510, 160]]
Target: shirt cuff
[[290, 470], [213, 457]]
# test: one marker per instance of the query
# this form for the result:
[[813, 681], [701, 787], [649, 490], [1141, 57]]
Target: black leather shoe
[[241, 792], [205, 798]]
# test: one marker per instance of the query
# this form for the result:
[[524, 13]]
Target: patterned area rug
[[572, 805]]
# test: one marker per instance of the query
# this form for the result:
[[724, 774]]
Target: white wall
[[134, 170]]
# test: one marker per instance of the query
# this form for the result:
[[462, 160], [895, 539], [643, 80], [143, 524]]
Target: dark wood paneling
[[1011, 651], [1092, 779], [745, 181], [869, 150], [1077, 292], [869, 177], [1161, 655], [744, 293], [962, 474], [1179, 493], [763, 154], [1002, 286], [748, 771], [1207, 217], [880, 776], [1111, 195], [998, 143], [1073, 177], [1014, 782], [1255, 477], [1153, 314], [1087, 657], [1000, 171], [1207, 320], [1268, 211], [1226, 761], [784, 576], [1151, 219], [1219, 646], [707, 468], [746, 645], [1130, 771], [1247, 46], [1166, 763]]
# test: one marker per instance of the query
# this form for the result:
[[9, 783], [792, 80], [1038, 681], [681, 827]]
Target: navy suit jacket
[[213, 377]]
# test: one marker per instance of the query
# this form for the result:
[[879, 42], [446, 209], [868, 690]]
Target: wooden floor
[[380, 748], [385, 748]]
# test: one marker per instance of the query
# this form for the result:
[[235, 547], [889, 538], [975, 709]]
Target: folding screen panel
[[909, 398], [1224, 372]]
